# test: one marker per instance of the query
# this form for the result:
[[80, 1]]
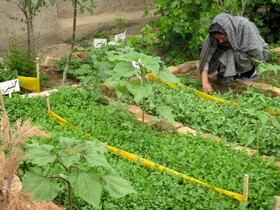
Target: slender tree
[[29, 9], [75, 4]]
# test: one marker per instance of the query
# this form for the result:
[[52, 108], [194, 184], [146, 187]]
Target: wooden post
[[246, 185], [48, 104], [38, 67]]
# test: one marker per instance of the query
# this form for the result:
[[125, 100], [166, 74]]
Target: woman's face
[[221, 38]]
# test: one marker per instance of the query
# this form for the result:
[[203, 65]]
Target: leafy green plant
[[272, 58], [270, 73], [249, 122], [102, 34], [133, 64], [19, 60], [12, 138], [120, 21], [140, 45], [180, 30], [76, 63], [233, 7], [116, 65], [7, 74], [82, 177], [265, 15], [198, 157]]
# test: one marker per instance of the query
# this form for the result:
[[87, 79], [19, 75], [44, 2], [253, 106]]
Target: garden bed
[[199, 156], [193, 156]]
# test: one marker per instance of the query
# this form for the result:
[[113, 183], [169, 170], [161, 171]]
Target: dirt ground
[[50, 77]]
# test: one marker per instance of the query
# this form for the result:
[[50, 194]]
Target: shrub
[[19, 60], [266, 15]]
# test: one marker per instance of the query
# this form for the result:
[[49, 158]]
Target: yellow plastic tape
[[158, 167], [30, 83], [203, 95], [63, 122], [151, 164]]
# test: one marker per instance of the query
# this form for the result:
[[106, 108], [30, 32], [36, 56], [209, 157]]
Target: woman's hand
[[207, 87], [205, 82]]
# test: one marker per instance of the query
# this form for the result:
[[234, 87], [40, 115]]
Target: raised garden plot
[[198, 157], [246, 124]]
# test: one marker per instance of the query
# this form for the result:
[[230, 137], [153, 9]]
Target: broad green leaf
[[104, 69], [84, 69], [121, 90], [166, 112], [87, 186], [42, 154], [69, 157], [96, 159], [125, 69], [133, 56], [67, 142], [250, 139], [117, 186], [151, 64], [139, 92], [120, 55], [93, 146], [167, 76], [41, 188]]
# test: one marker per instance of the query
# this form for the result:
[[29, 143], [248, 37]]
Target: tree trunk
[[28, 36], [72, 45]]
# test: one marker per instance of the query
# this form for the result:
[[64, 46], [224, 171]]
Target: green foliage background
[[183, 24]]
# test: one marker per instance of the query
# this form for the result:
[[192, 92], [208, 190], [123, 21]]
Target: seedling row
[[201, 158]]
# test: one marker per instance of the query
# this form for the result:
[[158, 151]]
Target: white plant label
[[120, 36], [9, 86], [97, 43]]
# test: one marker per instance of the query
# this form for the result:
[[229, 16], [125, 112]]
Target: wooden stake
[[48, 104], [246, 185], [38, 67]]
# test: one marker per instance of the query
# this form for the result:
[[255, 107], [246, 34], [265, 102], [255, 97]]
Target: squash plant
[[133, 64], [82, 177]]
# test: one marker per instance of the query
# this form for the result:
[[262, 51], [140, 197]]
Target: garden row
[[197, 157], [246, 124]]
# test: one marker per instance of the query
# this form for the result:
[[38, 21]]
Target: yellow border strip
[[203, 95], [150, 164], [30, 83]]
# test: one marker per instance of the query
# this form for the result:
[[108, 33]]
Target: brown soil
[[50, 77], [222, 87], [53, 78]]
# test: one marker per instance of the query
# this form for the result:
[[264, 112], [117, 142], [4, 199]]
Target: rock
[[50, 62]]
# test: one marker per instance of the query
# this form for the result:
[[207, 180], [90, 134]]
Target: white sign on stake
[[120, 36], [9, 86], [97, 43]]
